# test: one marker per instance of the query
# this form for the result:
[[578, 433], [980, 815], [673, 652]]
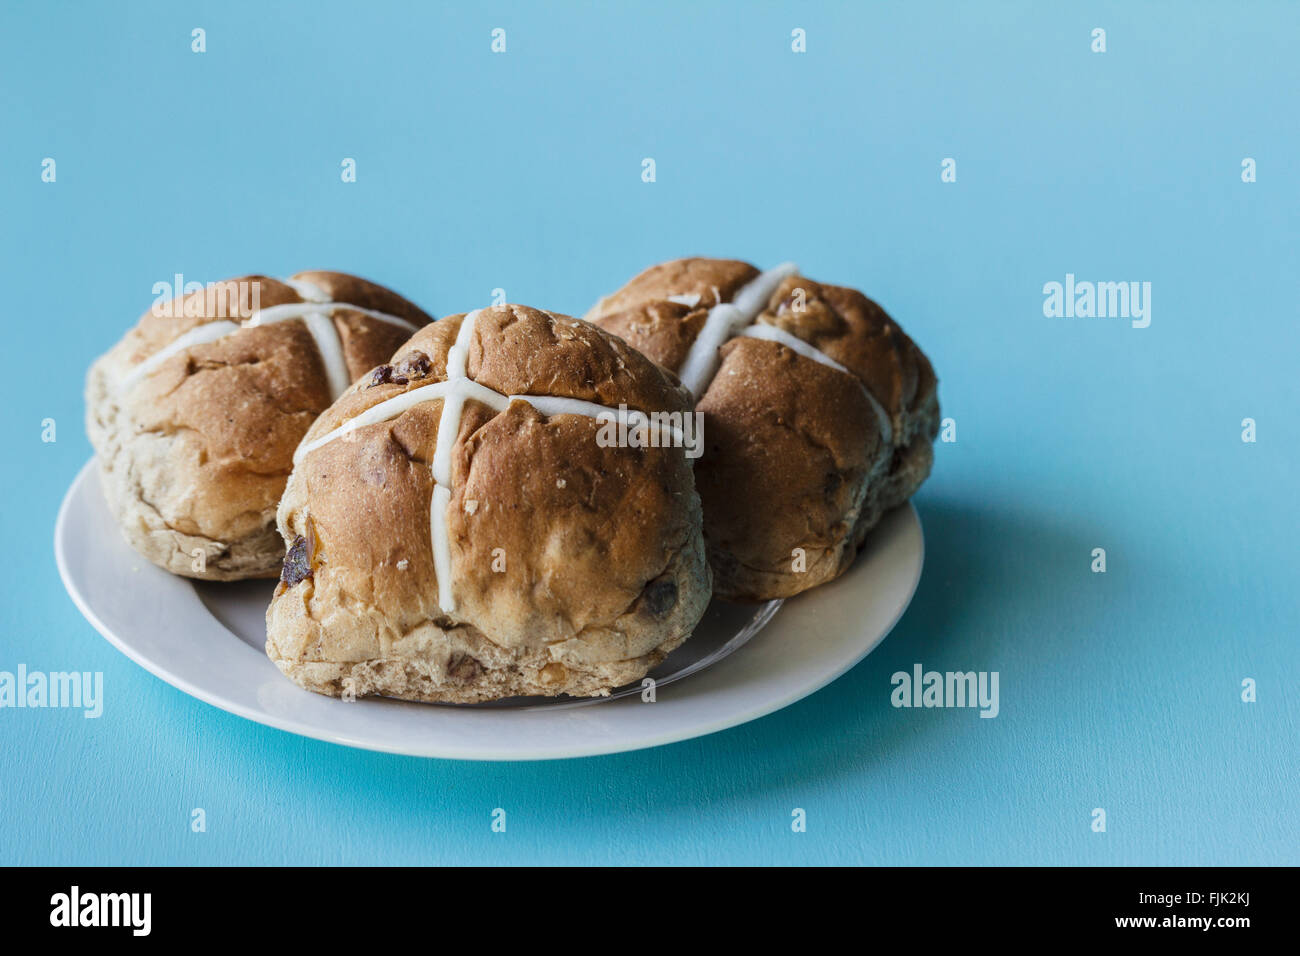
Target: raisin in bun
[[820, 412], [459, 530], [195, 414]]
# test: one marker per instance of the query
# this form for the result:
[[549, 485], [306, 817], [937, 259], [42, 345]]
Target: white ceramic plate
[[206, 639]]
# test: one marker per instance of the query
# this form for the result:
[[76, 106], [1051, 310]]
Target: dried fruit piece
[[659, 597], [415, 365], [297, 563], [463, 667]]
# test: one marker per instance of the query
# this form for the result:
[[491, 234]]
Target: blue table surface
[[522, 171]]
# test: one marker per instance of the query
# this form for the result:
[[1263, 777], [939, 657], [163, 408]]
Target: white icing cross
[[455, 391], [314, 312], [737, 318]]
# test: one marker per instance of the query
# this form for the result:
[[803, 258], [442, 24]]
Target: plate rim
[[309, 730]]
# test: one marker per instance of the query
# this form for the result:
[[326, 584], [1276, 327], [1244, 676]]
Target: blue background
[[523, 171]]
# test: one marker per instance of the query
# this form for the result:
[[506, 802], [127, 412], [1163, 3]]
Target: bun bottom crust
[[405, 679], [459, 665], [133, 474]]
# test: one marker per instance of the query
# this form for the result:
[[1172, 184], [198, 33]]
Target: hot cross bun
[[820, 412], [194, 415], [464, 524]]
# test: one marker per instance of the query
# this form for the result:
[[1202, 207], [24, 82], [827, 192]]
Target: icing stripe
[[555, 405], [441, 539], [297, 310], [462, 389], [453, 405], [379, 412], [754, 295], [724, 321], [771, 333], [701, 363], [738, 318], [329, 341], [550, 405], [307, 290], [458, 354], [316, 315], [330, 346]]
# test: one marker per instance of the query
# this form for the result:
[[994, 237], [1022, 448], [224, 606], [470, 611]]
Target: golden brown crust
[[775, 421], [519, 351], [575, 567], [793, 450], [195, 454], [712, 280], [342, 287], [662, 330], [859, 334]]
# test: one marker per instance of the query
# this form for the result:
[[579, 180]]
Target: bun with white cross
[[466, 524], [819, 412], [195, 414]]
